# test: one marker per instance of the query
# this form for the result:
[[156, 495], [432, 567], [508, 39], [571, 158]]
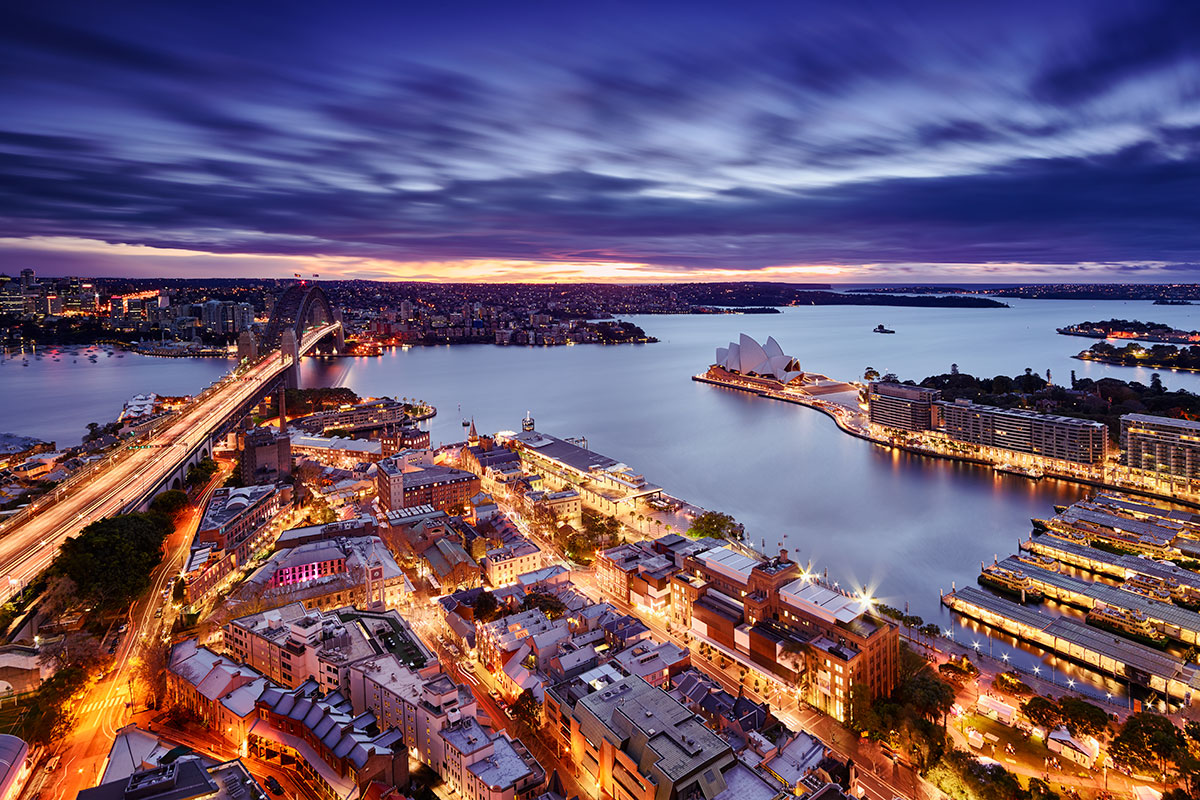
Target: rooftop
[[681, 741], [821, 601], [226, 504], [312, 441]]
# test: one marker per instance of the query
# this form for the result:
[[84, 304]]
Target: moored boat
[[1012, 582], [1127, 622]]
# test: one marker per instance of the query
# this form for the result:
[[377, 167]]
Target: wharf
[[1175, 622], [1102, 562], [1096, 649]]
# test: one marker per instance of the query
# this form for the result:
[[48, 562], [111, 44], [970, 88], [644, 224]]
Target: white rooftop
[[821, 601]]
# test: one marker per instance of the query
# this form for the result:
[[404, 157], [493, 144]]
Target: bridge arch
[[301, 306]]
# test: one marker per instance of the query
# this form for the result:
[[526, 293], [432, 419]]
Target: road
[[108, 704], [28, 547]]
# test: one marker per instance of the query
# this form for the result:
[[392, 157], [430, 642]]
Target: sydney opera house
[[751, 360]]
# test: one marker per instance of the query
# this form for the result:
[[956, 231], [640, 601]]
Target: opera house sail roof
[[748, 357]]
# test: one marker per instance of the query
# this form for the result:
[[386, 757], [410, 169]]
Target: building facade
[[900, 407], [1161, 445], [1049, 436]]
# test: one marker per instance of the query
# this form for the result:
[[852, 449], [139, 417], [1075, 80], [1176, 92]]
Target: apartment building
[[1162, 445], [900, 407], [419, 703], [637, 743], [637, 574], [483, 766], [292, 644], [233, 527], [772, 616], [318, 736], [502, 565], [1046, 436]]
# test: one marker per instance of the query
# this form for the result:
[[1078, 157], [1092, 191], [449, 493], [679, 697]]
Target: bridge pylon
[[289, 347]]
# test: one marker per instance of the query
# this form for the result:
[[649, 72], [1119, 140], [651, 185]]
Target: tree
[[151, 669], [550, 605], [171, 504], [870, 375], [929, 695], [1082, 718], [1156, 384], [1147, 741], [1042, 711], [527, 710], [485, 607], [201, 472], [111, 560], [954, 369], [717, 525]]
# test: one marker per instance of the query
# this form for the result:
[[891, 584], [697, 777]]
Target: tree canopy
[[550, 605], [1147, 741], [717, 525], [111, 559]]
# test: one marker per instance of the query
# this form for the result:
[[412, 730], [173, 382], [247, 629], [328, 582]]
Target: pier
[[1171, 620], [1185, 583], [1101, 651]]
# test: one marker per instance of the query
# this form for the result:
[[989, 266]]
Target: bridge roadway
[[29, 547]]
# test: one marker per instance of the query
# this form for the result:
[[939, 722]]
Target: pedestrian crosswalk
[[97, 705]]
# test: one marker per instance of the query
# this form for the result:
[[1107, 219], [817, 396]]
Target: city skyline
[[879, 143]]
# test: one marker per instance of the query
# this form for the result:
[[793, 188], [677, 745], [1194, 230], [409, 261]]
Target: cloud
[[663, 142]]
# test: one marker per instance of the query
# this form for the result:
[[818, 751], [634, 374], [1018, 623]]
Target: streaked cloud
[[649, 142]]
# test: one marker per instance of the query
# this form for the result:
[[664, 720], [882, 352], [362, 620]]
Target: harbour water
[[903, 526]]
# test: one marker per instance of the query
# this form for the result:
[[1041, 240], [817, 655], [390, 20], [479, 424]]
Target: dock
[[1123, 567], [1171, 620], [1099, 650]]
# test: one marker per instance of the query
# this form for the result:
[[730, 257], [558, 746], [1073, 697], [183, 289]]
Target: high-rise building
[[1079, 441], [905, 408], [266, 456], [1161, 444]]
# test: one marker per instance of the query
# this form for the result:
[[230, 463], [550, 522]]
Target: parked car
[[274, 785]]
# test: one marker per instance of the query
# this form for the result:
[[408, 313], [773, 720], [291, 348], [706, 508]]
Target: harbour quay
[[1183, 584], [1167, 618], [1103, 652]]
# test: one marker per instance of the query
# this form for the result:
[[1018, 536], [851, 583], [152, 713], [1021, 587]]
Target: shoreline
[[842, 426]]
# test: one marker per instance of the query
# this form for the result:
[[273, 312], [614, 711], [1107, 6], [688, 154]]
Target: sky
[[647, 141]]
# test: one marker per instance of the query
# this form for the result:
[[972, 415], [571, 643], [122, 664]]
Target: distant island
[[1160, 356], [787, 294], [1132, 329], [1160, 293]]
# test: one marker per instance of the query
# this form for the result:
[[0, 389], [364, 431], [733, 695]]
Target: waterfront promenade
[[840, 401]]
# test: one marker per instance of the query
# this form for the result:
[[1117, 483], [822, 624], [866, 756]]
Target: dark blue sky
[[886, 141]]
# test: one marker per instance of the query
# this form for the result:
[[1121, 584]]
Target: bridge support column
[[340, 340], [290, 349]]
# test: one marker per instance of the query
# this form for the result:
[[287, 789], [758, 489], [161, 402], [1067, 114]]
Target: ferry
[[1011, 582], [1032, 473], [1045, 562], [1127, 622], [883, 329], [1160, 589]]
